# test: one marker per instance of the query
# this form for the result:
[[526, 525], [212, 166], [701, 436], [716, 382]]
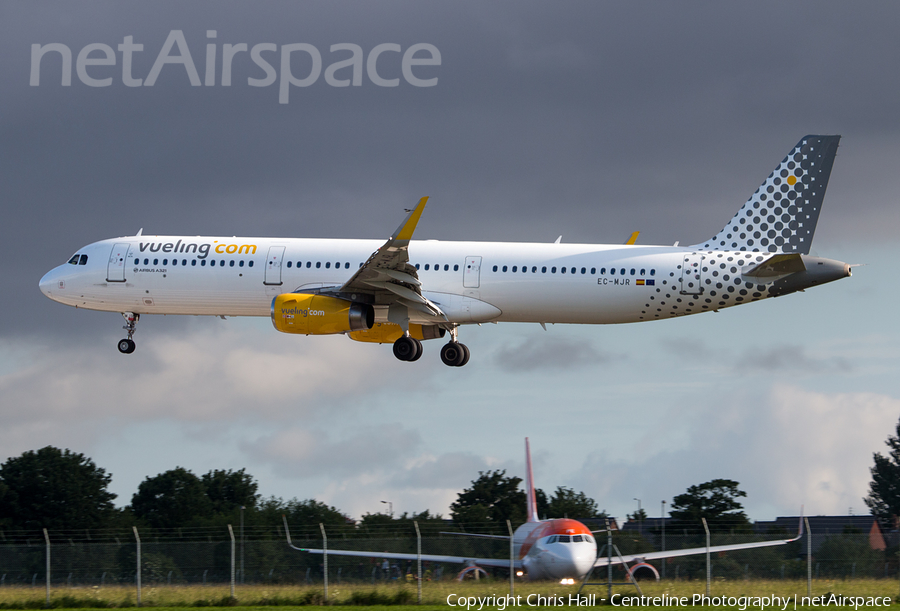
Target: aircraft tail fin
[[531, 499], [781, 216]]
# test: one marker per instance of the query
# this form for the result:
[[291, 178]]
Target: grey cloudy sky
[[590, 120]]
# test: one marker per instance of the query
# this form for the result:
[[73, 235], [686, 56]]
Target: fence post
[[808, 558], [137, 575], [512, 561], [418, 560], [708, 567], [47, 540], [324, 559], [231, 534]]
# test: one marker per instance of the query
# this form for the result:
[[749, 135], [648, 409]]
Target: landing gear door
[[273, 266], [115, 270], [690, 274], [472, 273]]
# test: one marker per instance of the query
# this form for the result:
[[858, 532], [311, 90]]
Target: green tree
[[493, 497], [884, 489], [230, 490], [54, 489], [172, 499], [716, 501], [566, 503]]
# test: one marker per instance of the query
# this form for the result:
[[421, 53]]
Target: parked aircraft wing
[[604, 561], [401, 556]]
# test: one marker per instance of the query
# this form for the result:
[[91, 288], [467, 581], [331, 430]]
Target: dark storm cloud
[[583, 119]]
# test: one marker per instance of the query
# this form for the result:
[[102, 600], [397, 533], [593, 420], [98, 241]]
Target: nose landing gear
[[126, 346]]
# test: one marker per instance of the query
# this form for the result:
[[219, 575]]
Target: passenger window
[[456, 268], [231, 263], [347, 265], [328, 265], [552, 270], [184, 262], [612, 271], [83, 260], [622, 271], [73, 260], [583, 270], [602, 270], [289, 264], [643, 272], [241, 263], [515, 268], [562, 269], [155, 261], [193, 261], [504, 268], [136, 261], [165, 261], [318, 264], [544, 269], [593, 271], [174, 262], [632, 271], [203, 263], [495, 268], [427, 266], [337, 265], [250, 264], [652, 272], [146, 261]]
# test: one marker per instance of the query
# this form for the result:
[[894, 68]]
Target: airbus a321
[[404, 291], [561, 548]]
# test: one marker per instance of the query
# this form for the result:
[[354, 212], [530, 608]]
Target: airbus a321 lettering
[[404, 291]]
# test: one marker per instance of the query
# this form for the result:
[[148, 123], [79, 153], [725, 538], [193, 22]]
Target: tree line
[[63, 490]]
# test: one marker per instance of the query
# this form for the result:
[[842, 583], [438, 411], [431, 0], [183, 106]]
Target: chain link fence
[[204, 556]]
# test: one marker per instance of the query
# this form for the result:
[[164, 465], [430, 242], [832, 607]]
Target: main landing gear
[[453, 353], [407, 348], [126, 346]]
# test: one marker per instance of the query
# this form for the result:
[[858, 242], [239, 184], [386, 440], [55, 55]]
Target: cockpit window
[[564, 538], [73, 260], [551, 539], [576, 539], [83, 260]]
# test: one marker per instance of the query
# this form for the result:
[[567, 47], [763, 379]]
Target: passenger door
[[115, 269], [273, 266], [472, 273]]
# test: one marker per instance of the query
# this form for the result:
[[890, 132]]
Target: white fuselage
[[470, 281]]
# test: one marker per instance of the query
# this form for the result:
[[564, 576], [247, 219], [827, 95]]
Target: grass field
[[395, 596]]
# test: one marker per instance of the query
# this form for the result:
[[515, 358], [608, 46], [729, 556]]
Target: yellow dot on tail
[[791, 180]]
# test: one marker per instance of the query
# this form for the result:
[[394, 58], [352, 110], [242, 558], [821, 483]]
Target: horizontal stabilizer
[[777, 265]]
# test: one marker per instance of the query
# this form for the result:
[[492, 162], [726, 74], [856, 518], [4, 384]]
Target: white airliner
[[562, 548], [405, 291]]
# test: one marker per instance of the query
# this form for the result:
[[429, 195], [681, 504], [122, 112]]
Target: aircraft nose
[[48, 283]]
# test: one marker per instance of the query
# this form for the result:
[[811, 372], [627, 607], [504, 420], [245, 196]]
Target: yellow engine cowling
[[319, 315], [388, 333]]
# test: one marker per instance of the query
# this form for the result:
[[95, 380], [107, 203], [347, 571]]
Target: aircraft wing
[[604, 561], [389, 277], [499, 562]]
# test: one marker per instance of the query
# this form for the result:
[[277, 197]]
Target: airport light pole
[[390, 508], [640, 525], [242, 544]]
